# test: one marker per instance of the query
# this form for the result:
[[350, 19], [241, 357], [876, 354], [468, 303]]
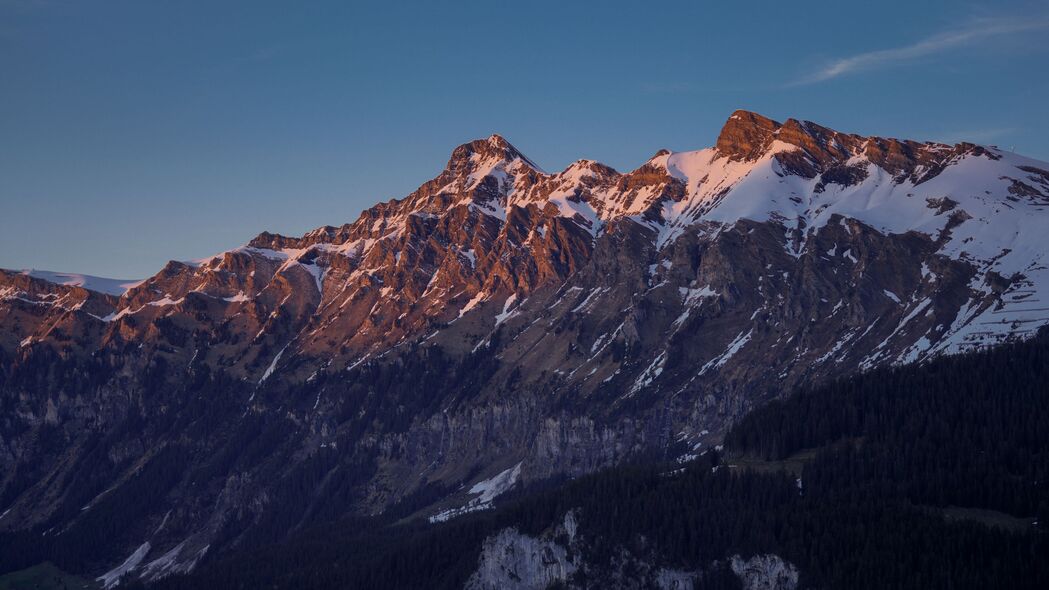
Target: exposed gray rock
[[513, 561], [765, 572]]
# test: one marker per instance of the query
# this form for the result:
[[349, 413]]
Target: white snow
[[506, 313], [690, 296], [487, 490], [470, 256], [589, 300], [111, 578], [491, 488], [318, 275], [579, 211], [273, 365], [737, 343], [92, 283], [173, 562], [654, 370], [478, 298]]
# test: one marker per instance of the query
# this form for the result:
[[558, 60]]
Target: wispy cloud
[[977, 30]]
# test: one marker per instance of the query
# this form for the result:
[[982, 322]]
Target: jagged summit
[[494, 148], [746, 135]]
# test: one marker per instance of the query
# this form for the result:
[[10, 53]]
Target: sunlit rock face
[[502, 317]]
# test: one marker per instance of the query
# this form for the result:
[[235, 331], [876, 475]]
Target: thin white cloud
[[977, 30]]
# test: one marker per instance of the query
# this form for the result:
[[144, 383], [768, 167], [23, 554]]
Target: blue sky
[[139, 131]]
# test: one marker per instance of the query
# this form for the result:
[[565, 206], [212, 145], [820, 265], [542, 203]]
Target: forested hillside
[[929, 476]]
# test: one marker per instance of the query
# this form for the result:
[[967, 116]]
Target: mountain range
[[499, 327]]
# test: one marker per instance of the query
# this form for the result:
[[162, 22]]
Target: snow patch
[[273, 365], [112, 578], [488, 491], [91, 283]]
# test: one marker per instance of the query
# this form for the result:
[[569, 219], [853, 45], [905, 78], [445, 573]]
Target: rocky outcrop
[[765, 572], [559, 557], [746, 136], [513, 561]]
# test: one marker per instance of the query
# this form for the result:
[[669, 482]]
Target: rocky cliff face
[[500, 316]]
